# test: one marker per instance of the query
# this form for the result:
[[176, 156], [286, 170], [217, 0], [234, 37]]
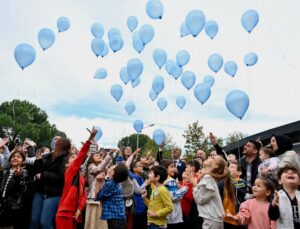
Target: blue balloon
[[24, 55], [211, 29], [138, 125], [116, 43], [46, 38], [215, 62], [63, 24], [188, 79], [113, 32], [130, 107], [158, 84], [237, 102], [180, 101], [97, 30], [116, 91], [155, 9], [169, 65], [137, 42], [135, 83], [132, 23], [184, 31], [152, 95], [101, 73], [98, 134], [162, 103], [146, 33], [124, 76], [105, 50], [195, 21], [249, 20], [250, 59], [202, 92], [230, 67], [160, 57], [182, 58], [210, 80], [159, 136], [98, 46], [176, 71], [134, 68]]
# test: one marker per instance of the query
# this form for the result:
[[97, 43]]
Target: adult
[[250, 162], [280, 144], [49, 183], [201, 154]]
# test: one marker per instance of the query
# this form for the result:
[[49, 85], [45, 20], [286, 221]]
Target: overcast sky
[[61, 82]]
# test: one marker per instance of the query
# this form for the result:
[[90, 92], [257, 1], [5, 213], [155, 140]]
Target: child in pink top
[[254, 212]]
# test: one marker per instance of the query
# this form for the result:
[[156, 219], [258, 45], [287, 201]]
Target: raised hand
[[212, 139], [3, 142], [275, 201], [93, 133]]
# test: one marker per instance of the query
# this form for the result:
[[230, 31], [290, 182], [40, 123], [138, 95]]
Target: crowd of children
[[63, 188]]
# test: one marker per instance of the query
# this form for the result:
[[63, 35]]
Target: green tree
[[145, 143], [195, 139], [234, 137], [28, 121]]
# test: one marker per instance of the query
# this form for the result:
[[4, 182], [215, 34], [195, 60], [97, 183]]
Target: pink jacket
[[255, 214]]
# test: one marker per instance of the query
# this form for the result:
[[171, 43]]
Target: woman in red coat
[[74, 196]]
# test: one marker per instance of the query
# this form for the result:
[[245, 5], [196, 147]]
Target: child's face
[[231, 157], [171, 170], [189, 169], [233, 171], [128, 151], [290, 178], [211, 162], [16, 160], [138, 169], [144, 160], [260, 190], [152, 177], [263, 155], [111, 171], [71, 160], [97, 158]]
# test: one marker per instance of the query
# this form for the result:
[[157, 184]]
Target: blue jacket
[[140, 207]]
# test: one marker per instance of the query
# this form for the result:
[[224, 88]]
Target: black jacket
[[15, 190], [254, 169], [52, 174]]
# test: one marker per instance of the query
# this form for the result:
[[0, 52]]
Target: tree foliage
[[234, 137], [28, 121], [195, 139]]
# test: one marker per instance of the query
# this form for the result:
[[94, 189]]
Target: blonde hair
[[221, 171]]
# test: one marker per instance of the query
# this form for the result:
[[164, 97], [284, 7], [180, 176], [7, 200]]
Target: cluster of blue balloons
[[25, 54], [142, 37]]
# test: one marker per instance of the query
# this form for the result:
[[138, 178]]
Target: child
[[73, 197], [191, 171], [112, 199], [254, 212], [232, 191], [95, 166], [14, 182], [175, 218], [139, 184], [206, 193], [269, 162], [285, 205], [160, 203]]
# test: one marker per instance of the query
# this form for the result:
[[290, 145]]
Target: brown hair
[[61, 145], [268, 151], [221, 171]]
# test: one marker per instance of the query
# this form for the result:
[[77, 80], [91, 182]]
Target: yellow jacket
[[161, 203]]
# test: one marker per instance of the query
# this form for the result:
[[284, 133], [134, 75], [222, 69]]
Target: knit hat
[[284, 143], [256, 143], [291, 160]]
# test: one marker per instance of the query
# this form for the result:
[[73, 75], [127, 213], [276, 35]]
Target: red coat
[[72, 198]]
